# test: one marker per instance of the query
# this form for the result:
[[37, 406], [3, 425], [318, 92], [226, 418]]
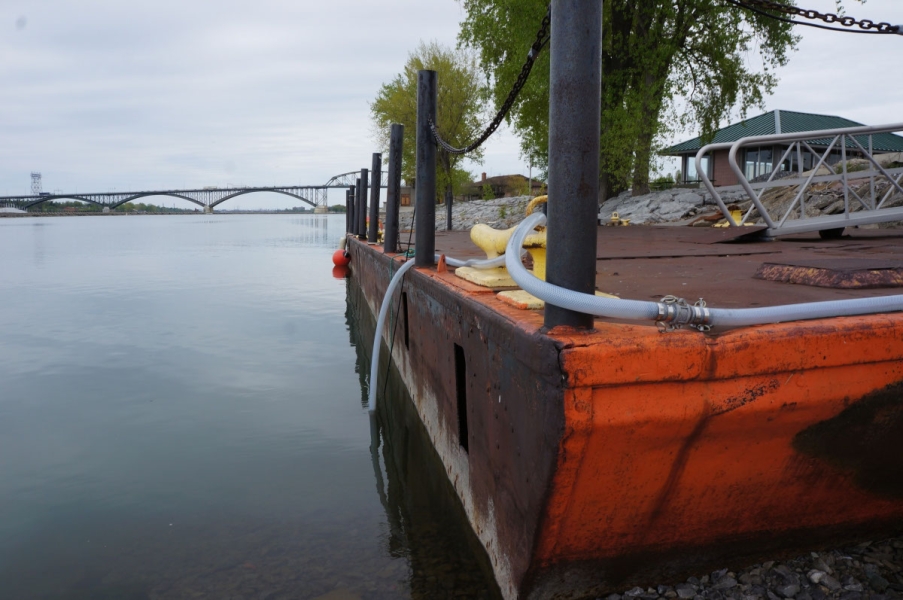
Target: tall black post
[[425, 228], [376, 173], [575, 94], [348, 210], [357, 207], [362, 199], [448, 210], [393, 188]]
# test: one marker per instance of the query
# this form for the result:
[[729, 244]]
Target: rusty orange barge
[[590, 462]]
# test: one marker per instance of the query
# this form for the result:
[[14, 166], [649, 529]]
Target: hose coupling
[[674, 313]]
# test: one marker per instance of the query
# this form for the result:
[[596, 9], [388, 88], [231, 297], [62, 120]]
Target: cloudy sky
[[103, 95]]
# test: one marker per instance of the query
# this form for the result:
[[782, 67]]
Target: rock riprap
[[868, 571], [500, 213]]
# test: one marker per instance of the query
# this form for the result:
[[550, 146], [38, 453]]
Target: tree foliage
[[666, 65], [461, 95]]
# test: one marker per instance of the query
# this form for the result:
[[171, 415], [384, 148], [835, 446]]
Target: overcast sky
[[101, 95]]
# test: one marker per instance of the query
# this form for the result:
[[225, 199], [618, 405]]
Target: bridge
[[207, 198]]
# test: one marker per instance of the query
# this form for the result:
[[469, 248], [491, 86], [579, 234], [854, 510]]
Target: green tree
[[666, 65], [459, 113]]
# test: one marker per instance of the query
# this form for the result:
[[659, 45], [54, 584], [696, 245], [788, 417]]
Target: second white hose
[[639, 310]]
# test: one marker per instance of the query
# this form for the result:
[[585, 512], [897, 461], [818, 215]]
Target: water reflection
[[425, 521], [38, 238], [314, 230], [179, 419], [353, 306]]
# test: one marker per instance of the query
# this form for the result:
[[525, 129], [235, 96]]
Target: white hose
[[378, 337], [585, 303], [476, 263], [486, 263], [639, 310]]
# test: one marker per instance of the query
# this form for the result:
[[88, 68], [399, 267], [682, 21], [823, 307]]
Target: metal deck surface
[[647, 263]]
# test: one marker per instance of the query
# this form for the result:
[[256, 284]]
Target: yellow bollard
[[493, 243], [736, 215]]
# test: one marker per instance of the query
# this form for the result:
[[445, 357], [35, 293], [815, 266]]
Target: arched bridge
[[207, 197]]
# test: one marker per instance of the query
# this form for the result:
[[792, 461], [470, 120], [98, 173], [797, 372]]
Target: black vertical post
[[376, 172], [348, 210], [353, 191], [575, 94], [448, 210], [362, 198], [357, 207], [425, 234], [393, 188]]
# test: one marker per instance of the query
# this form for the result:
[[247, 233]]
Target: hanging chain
[[541, 40], [866, 25]]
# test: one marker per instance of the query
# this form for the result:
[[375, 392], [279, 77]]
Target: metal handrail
[[844, 137]]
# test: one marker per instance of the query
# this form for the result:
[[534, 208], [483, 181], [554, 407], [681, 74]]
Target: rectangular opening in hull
[[404, 308], [461, 385]]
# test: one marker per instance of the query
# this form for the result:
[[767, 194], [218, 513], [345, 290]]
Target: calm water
[[181, 417]]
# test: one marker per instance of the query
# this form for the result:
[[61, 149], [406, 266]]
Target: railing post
[[355, 206], [362, 204], [355, 226], [376, 172], [575, 95], [448, 209], [425, 234], [393, 188]]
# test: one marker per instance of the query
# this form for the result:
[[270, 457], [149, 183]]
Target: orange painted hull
[[681, 440]]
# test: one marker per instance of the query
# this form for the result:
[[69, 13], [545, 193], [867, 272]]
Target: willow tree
[[460, 98], [666, 65]]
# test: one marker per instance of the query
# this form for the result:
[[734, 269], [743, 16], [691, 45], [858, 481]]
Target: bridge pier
[[208, 210], [321, 210]]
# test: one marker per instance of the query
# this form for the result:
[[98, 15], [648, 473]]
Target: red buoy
[[340, 258], [341, 272]]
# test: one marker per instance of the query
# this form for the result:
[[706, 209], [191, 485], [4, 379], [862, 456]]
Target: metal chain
[[541, 40], [864, 24]]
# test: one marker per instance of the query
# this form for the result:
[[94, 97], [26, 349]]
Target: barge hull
[[591, 462]]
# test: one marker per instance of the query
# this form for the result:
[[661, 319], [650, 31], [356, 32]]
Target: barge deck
[[589, 462]]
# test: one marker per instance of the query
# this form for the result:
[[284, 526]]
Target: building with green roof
[[759, 161]]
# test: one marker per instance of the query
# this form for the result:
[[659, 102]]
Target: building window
[[810, 160], [758, 162], [689, 168]]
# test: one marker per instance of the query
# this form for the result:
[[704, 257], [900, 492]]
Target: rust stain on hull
[[863, 441]]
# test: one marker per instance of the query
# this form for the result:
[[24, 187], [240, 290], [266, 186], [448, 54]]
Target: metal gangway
[[858, 209]]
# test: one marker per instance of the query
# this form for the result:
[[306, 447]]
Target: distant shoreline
[[125, 214]]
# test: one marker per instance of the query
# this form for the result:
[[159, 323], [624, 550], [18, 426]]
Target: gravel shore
[[868, 571]]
